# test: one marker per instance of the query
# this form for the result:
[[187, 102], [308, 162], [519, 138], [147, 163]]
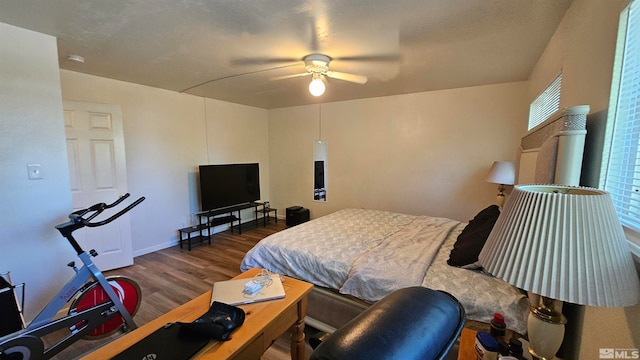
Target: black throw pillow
[[471, 240]]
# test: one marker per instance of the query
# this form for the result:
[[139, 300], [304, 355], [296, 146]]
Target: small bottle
[[498, 327], [486, 347], [503, 351], [515, 348]]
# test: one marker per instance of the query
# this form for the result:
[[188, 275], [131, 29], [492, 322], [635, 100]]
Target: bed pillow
[[471, 240]]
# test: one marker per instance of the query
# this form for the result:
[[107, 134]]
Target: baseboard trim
[[155, 248]]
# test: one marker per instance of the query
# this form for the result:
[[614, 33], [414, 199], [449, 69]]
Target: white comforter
[[399, 261], [370, 253], [322, 251]]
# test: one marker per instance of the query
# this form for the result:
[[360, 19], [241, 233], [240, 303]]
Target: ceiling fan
[[316, 63], [317, 66]]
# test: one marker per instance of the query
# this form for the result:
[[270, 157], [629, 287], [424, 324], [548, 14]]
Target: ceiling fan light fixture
[[316, 86]]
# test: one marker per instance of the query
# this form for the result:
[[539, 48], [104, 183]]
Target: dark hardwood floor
[[170, 277]]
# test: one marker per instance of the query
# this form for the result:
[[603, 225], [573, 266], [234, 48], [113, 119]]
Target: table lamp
[[564, 244], [502, 173]]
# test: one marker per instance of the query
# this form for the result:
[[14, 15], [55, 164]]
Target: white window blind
[[546, 103], [621, 160]]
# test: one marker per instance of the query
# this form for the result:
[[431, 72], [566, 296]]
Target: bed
[[355, 257], [367, 254]]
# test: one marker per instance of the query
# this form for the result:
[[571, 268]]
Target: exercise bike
[[99, 306]]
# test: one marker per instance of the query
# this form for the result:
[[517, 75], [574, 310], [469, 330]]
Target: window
[[545, 104], [621, 158]]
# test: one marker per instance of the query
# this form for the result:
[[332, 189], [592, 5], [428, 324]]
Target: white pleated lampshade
[[565, 243]]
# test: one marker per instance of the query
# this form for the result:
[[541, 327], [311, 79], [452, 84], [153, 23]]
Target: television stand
[[227, 215], [190, 230], [266, 211]]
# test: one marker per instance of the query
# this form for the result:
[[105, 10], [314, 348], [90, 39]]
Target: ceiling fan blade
[[290, 76], [358, 79], [381, 57]]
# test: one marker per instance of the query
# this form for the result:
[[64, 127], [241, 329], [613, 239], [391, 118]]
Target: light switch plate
[[35, 171]]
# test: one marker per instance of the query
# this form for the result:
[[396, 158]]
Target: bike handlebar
[[77, 220], [97, 209]]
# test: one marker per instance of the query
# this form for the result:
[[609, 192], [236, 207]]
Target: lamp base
[[545, 326], [500, 197]]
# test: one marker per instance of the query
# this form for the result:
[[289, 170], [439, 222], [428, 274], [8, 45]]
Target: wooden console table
[[264, 323]]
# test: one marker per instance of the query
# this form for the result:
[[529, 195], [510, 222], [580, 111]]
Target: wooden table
[[264, 323], [467, 350]]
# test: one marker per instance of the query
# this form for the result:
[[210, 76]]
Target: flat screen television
[[229, 184]]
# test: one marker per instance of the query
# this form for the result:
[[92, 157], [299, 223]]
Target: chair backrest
[[410, 323]]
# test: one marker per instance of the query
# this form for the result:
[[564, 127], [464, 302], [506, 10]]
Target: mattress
[[368, 254]]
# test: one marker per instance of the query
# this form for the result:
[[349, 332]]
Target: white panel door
[[95, 150]]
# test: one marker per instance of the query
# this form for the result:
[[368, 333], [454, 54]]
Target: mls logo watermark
[[607, 353]]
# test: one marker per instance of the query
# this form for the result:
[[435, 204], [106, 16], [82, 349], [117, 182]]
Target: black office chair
[[411, 323]]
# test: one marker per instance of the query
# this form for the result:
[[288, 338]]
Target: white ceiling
[[229, 45]]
